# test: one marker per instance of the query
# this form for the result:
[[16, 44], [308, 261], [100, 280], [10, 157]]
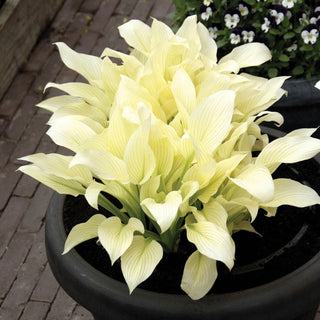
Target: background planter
[[294, 296], [301, 108]]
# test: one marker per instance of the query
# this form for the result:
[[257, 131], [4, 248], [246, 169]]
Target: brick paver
[[28, 290]]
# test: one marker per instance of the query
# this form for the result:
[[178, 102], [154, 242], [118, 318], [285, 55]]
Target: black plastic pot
[[301, 107], [292, 297]]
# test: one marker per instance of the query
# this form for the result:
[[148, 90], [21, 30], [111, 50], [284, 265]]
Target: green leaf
[[298, 70], [289, 35], [284, 58], [272, 72]]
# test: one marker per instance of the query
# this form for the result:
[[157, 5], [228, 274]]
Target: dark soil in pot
[[289, 240]]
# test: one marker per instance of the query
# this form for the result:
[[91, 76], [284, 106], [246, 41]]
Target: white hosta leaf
[[199, 275], [139, 157], [59, 165], [103, 164], [214, 212], [140, 260], [92, 95], [92, 193], [88, 66], [81, 110], [54, 103], [188, 189], [61, 185], [202, 174], [137, 34], [160, 32], [212, 241], [164, 154], [184, 91], [117, 237], [293, 193], [163, 213], [288, 149], [208, 45], [248, 55], [210, 121], [70, 133], [223, 169], [257, 180], [83, 232], [269, 116]]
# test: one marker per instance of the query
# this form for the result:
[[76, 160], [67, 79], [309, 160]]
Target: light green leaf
[[116, 237], [293, 193], [140, 260], [163, 213], [208, 45], [257, 180], [83, 232], [199, 275], [103, 164], [210, 121], [212, 241]]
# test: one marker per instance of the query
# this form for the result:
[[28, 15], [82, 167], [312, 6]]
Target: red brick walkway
[[28, 290]]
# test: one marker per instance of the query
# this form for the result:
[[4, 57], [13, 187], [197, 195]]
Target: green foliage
[[288, 47]]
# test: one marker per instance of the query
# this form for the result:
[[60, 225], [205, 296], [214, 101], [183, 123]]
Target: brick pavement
[[28, 290]]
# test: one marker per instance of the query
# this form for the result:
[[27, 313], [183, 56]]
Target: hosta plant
[[290, 28], [173, 134]]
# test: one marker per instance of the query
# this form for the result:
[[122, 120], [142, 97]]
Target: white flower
[[317, 9], [213, 31], [248, 36], [288, 3], [310, 37], [279, 16], [266, 25], [207, 14], [243, 9], [207, 2], [231, 20], [293, 47], [235, 38]]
